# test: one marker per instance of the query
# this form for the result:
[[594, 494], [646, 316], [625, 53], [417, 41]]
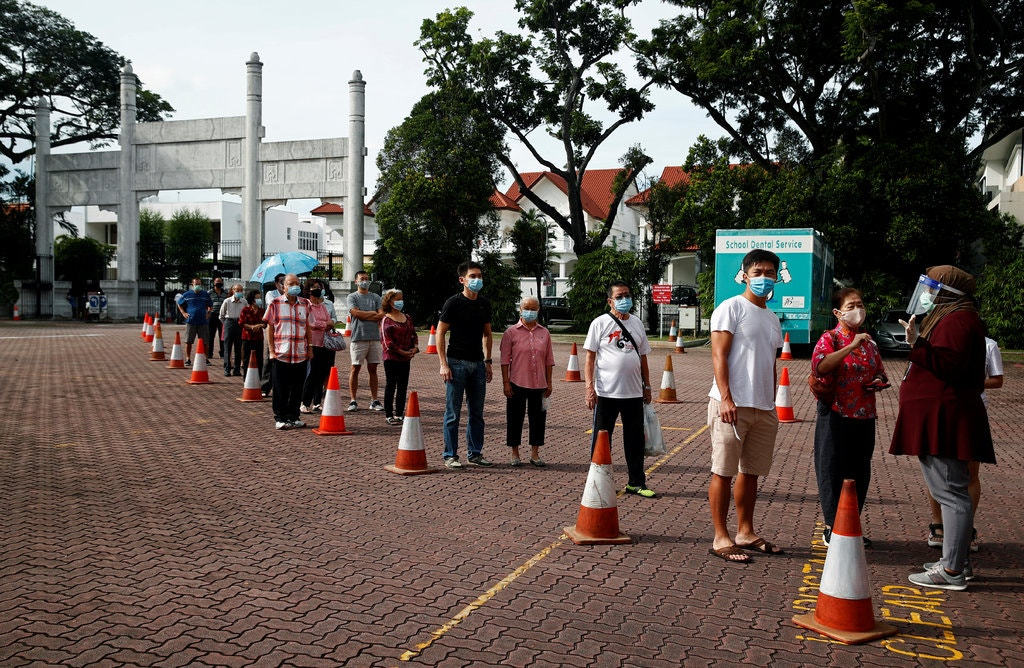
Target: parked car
[[554, 309], [890, 335], [685, 295]]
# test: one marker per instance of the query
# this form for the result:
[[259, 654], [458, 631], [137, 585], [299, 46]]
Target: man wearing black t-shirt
[[465, 364]]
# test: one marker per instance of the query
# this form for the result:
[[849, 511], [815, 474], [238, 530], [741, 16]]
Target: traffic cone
[[680, 349], [572, 374], [787, 351], [411, 458], [667, 395], [672, 331], [783, 402], [432, 342], [200, 375], [177, 358], [598, 520], [348, 326], [145, 324], [844, 610], [332, 418], [149, 331], [17, 313], [252, 391], [157, 354]]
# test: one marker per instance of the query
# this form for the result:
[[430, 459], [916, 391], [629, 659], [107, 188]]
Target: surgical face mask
[[853, 317], [294, 290], [624, 304], [316, 292], [475, 284], [529, 316], [398, 304], [238, 295], [364, 285], [761, 286], [259, 302], [196, 288]]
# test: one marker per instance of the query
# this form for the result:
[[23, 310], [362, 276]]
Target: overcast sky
[[193, 53]]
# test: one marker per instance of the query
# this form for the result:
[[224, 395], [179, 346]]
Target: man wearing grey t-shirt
[[364, 309]]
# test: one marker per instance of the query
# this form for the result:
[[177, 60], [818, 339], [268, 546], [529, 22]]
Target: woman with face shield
[[844, 433], [942, 420]]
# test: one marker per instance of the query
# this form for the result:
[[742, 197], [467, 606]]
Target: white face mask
[[853, 318]]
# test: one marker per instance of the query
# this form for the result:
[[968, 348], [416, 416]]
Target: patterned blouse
[[856, 369]]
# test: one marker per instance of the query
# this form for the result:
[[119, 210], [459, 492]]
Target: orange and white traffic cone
[[348, 326], [145, 325], [332, 418], [680, 349], [432, 342], [252, 391], [200, 374], [149, 329], [17, 313], [411, 458], [672, 331], [787, 350], [598, 519], [844, 610], [667, 395], [784, 402], [572, 374], [157, 354], [177, 357]]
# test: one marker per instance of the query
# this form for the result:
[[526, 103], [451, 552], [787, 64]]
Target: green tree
[[81, 260], [189, 240], [42, 54], [550, 78], [437, 174], [588, 285], [152, 258], [17, 246], [501, 287], [531, 246]]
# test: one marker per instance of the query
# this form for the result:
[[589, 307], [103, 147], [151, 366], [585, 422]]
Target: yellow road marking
[[532, 561]]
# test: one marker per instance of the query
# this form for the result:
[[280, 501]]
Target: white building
[[1001, 176]]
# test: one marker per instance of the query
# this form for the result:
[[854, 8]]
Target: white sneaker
[[352, 406], [452, 462], [303, 408], [376, 405], [282, 425], [298, 424]]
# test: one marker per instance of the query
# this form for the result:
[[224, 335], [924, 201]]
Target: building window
[[110, 234], [309, 241], [288, 233]]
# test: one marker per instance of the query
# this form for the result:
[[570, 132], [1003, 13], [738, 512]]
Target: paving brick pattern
[[145, 521]]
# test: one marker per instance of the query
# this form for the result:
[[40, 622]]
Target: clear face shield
[[926, 295]]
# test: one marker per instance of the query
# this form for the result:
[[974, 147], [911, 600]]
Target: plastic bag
[[334, 340], [654, 441]]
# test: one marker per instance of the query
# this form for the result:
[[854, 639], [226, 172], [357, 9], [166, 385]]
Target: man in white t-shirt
[[745, 336], [618, 381]]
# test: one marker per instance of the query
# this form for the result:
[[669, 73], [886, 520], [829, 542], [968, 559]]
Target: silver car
[[890, 335]]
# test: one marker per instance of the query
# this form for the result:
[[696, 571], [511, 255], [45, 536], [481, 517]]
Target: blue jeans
[[469, 378]]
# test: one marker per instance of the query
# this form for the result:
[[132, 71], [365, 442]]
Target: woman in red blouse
[[251, 322], [398, 337], [844, 434]]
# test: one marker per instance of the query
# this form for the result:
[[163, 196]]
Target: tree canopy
[[189, 238], [551, 81], [43, 55]]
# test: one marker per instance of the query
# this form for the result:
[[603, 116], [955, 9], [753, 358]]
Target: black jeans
[[842, 449], [213, 336], [632, 412], [232, 345], [249, 347], [319, 367], [288, 379], [396, 384], [524, 401]]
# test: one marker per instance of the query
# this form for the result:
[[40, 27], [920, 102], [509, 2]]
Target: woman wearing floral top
[[844, 435], [398, 336]]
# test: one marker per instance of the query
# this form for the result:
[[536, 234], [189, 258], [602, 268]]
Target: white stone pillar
[[44, 221], [353, 260], [128, 207], [252, 214]]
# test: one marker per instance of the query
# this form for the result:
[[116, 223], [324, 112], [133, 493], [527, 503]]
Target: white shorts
[[365, 351]]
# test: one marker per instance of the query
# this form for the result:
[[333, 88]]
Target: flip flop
[[728, 551], [762, 546]]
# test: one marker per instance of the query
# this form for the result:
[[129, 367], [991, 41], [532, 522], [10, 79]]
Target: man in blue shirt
[[195, 306]]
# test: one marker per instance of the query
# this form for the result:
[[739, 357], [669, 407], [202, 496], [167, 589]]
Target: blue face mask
[[398, 304], [624, 304], [475, 284], [238, 295], [529, 316], [197, 288], [761, 286], [295, 290], [259, 302]]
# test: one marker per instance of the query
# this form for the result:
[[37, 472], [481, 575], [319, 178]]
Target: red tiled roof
[[595, 191], [329, 208], [502, 201], [670, 176]]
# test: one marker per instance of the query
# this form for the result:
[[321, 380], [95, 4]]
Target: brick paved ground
[[144, 521]]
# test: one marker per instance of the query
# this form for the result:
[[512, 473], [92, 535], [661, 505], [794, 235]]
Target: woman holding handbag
[[321, 319], [846, 359]]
